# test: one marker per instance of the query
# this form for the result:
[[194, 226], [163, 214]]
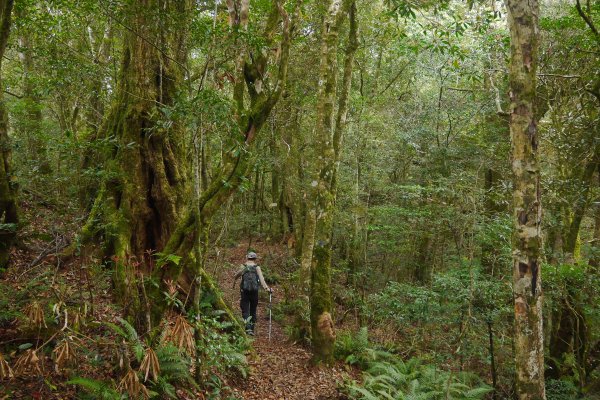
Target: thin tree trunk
[[489, 251], [492, 360], [581, 204], [323, 187], [8, 194], [595, 260], [33, 119], [527, 244]]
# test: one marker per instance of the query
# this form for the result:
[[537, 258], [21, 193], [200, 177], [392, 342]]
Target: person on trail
[[251, 278]]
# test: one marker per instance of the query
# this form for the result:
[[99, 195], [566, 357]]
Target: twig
[[39, 259], [559, 76]]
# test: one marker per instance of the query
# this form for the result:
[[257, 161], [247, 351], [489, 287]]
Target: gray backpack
[[250, 280]]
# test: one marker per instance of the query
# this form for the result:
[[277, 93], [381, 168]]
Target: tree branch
[[588, 20]]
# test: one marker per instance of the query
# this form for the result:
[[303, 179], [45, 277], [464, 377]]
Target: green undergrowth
[[61, 336], [161, 368], [388, 376], [396, 379]]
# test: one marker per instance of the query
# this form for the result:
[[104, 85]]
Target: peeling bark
[[527, 288]]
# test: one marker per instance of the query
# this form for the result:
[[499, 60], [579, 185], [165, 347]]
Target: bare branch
[[588, 20]]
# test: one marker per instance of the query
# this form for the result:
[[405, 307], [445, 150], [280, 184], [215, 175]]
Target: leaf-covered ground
[[281, 369]]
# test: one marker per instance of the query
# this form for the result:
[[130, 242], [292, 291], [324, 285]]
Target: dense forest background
[[361, 148]]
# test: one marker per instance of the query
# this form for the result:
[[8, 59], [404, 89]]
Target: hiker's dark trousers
[[248, 304]]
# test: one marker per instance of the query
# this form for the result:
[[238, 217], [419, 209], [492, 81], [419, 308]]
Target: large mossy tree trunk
[[527, 286], [8, 195], [327, 147], [138, 206]]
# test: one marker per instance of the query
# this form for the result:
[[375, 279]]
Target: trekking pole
[[270, 297]]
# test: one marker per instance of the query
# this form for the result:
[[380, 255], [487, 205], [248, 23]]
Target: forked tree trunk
[[137, 208], [94, 112], [236, 163], [527, 286], [8, 195]]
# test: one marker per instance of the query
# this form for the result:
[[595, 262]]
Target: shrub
[[561, 390]]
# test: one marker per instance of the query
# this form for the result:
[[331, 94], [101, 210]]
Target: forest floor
[[280, 369]]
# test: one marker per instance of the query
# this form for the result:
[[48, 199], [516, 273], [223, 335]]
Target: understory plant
[[395, 379], [154, 369]]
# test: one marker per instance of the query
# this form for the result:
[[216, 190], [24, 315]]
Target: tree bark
[[595, 260], [236, 163], [527, 288], [581, 203], [327, 147], [8, 193], [137, 208]]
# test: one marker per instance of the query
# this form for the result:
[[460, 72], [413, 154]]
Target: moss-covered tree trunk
[[527, 285], [8, 195], [581, 203], [595, 259], [327, 147], [139, 205], [263, 92]]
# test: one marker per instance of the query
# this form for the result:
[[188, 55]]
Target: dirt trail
[[281, 369]]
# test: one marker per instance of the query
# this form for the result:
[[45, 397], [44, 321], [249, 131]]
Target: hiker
[[251, 278]]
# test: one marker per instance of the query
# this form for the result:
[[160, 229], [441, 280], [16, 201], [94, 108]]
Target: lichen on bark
[[527, 257]]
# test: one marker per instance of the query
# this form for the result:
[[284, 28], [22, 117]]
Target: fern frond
[[98, 389]]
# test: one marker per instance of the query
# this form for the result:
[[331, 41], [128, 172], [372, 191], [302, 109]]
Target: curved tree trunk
[[8, 195], [527, 287], [236, 164]]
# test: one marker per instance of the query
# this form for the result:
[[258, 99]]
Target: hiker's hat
[[251, 255]]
